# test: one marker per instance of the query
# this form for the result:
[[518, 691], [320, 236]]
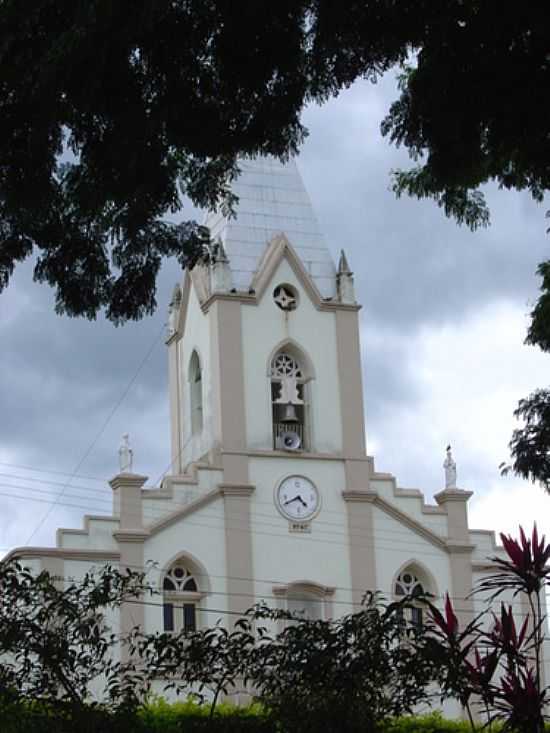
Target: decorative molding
[[236, 489], [178, 514], [61, 552], [285, 454], [448, 495], [460, 548], [123, 480], [279, 248], [403, 518], [131, 535], [359, 496], [306, 586]]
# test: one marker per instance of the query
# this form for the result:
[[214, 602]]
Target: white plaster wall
[[263, 328], [397, 545], [99, 536], [485, 546], [202, 536], [281, 557], [196, 337]]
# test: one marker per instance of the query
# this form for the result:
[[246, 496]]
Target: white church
[[271, 495]]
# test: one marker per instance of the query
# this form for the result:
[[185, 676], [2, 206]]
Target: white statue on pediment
[[450, 470], [125, 455]]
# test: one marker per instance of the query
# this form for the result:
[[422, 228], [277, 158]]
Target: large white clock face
[[297, 498]]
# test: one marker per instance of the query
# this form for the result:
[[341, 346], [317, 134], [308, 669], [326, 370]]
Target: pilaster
[[130, 538], [455, 501], [238, 546], [229, 392], [362, 557]]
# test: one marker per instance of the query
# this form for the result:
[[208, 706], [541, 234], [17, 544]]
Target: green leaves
[[111, 113], [530, 444]]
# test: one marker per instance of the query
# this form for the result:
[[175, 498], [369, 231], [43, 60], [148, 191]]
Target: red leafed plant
[[505, 677]]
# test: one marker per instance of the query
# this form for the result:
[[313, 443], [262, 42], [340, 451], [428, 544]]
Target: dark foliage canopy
[[111, 112]]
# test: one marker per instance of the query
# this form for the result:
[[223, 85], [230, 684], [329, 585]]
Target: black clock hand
[[303, 502], [296, 498]]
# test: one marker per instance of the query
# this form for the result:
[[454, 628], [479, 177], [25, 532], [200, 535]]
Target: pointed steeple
[[272, 200], [343, 267], [344, 280]]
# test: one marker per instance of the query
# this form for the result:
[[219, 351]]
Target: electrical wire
[[100, 432]]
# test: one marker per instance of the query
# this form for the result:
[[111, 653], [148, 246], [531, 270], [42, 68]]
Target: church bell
[[289, 415]]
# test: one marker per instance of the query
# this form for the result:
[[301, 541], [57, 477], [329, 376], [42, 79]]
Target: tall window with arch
[[411, 582], [195, 393], [181, 595], [289, 401]]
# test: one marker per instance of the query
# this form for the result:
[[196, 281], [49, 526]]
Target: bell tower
[[263, 340]]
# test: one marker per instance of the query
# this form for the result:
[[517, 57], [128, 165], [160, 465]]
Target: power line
[[58, 473], [282, 534], [98, 434], [156, 513]]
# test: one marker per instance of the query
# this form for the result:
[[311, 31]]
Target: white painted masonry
[[215, 511]]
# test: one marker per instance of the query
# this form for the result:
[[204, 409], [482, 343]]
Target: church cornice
[[63, 553]]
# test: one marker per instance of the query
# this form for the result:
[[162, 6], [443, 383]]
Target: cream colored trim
[[236, 489], [278, 248], [284, 454], [229, 392], [61, 552], [238, 548], [361, 537], [462, 585], [307, 586], [397, 514], [132, 613], [127, 490], [135, 536], [350, 386], [351, 495], [323, 592], [452, 495]]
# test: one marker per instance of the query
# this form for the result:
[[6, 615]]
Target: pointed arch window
[[288, 401], [411, 583], [181, 595], [195, 393]]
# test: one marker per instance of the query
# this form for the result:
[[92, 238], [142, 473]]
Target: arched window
[[410, 582], [195, 390], [305, 599], [181, 594], [305, 604], [288, 401]]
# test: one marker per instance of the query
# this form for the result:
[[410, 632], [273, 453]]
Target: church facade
[[271, 495]]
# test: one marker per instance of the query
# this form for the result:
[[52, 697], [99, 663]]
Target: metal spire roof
[[272, 199]]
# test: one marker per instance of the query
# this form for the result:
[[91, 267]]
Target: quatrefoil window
[[178, 579], [285, 297]]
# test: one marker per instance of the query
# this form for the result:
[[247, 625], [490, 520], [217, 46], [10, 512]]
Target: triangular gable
[[280, 248]]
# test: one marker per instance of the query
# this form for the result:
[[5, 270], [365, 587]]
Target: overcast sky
[[443, 322]]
